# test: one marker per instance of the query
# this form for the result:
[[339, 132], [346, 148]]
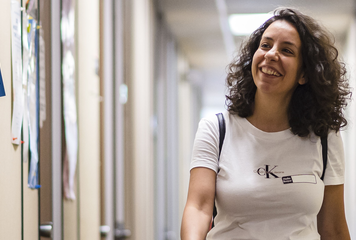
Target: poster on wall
[[2, 88], [32, 102], [16, 56], [69, 97], [42, 77], [31, 8], [25, 59]]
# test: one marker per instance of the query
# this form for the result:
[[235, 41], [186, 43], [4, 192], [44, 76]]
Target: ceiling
[[200, 31]]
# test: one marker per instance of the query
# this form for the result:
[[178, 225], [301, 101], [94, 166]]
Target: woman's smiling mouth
[[270, 71]]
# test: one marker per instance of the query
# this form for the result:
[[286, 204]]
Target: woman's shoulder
[[211, 122], [212, 117], [335, 139]]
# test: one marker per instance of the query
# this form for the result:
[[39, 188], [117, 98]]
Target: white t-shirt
[[268, 185]]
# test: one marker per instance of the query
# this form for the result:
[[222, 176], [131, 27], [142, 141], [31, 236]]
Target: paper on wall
[[42, 79], [32, 103], [17, 111], [2, 88], [25, 51], [25, 60], [69, 97]]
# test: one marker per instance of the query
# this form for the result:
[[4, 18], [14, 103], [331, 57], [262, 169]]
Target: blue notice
[[2, 89]]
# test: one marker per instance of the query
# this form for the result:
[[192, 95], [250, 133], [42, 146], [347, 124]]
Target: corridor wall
[[141, 98], [176, 114], [23, 210], [189, 98], [10, 171], [88, 119], [166, 130]]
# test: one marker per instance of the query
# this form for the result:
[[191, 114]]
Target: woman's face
[[277, 63]]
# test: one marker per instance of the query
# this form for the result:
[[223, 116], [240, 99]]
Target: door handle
[[46, 229], [104, 230], [121, 232]]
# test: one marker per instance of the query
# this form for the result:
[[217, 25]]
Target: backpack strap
[[324, 146], [222, 131]]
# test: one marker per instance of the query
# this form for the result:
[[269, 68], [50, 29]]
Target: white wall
[[142, 90], [10, 171], [186, 109], [88, 119]]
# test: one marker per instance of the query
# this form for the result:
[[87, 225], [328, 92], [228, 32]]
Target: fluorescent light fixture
[[245, 24]]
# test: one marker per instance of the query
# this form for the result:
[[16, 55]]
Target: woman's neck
[[270, 114]]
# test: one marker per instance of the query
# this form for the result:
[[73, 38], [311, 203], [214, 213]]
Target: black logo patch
[[287, 179]]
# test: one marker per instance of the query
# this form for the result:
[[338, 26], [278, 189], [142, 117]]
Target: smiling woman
[[277, 63], [315, 106], [287, 92]]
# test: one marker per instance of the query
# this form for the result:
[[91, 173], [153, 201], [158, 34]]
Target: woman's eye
[[264, 45], [288, 51]]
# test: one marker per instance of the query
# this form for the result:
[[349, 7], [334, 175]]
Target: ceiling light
[[245, 24]]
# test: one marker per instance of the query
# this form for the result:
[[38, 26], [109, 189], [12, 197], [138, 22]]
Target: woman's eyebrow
[[290, 43], [285, 42]]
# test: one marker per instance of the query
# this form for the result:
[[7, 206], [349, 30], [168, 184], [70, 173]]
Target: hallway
[[103, 99]]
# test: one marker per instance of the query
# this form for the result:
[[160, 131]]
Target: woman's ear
[[302, 80]]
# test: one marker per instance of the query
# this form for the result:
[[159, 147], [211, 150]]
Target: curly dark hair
[[316, 105]]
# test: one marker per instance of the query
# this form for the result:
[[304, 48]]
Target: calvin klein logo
[[268, 171]]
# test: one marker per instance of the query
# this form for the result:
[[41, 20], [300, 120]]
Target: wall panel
[[10, 171], [142, 112], [88, 116], [70, 219], [45, 166], [30, 208]]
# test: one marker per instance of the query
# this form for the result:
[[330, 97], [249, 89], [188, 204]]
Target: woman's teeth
[[270, 71]]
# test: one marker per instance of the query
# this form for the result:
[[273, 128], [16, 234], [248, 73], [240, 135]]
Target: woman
[[287, 89]]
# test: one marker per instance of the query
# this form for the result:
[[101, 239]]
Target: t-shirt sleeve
[[206, 144], [335, 168]]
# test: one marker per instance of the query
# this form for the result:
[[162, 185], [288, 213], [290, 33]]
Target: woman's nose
[[272, 55]]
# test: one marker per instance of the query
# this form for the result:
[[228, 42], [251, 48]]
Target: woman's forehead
[[284, 31]]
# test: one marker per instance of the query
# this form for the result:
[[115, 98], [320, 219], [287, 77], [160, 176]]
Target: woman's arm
[[200, 203], [331, 218]]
